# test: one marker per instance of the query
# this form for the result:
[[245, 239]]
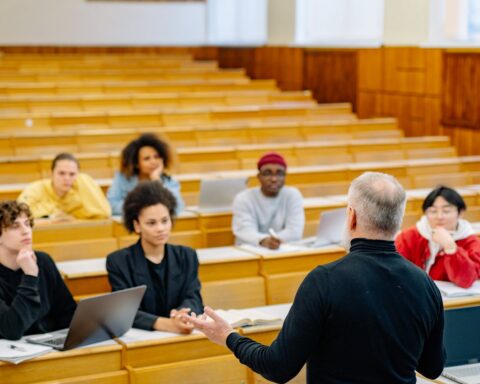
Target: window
[[455, 21], [339, 21]]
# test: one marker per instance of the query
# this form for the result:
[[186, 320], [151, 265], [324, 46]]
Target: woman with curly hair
[[145, 158], [170, 272]]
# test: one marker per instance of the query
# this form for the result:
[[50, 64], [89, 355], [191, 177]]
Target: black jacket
[[30, 304], [370, 317], [128, 268]]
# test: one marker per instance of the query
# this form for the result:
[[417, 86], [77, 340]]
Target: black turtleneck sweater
[[370, 317], [34, 304]]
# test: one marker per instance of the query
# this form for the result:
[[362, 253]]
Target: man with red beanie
[[272, 213]]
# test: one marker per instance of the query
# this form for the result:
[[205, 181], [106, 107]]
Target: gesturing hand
[[217, 330]]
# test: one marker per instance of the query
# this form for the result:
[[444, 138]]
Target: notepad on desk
[[248, 317], [17, 351], [448, 289]]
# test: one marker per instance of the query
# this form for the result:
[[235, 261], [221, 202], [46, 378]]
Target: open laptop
[[462, 342], [216, 195], [96, 319], [329, 231]]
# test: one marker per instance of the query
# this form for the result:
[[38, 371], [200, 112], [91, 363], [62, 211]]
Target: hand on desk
[[217, 330], [270, 242], [176, 323]]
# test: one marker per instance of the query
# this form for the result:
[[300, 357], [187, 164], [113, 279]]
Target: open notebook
[[248, 317]]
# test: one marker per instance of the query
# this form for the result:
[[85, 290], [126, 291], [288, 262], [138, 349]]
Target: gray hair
[[379, 201]]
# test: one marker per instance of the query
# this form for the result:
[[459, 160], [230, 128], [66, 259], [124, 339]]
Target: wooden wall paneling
[[331, 75], [433, 115], [369, 82], [395, 65], [416, 116], [461, 90], [433, 71]]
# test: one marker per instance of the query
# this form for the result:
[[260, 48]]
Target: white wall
[[81, 22], [237, 22], [406, 22], [281, 22], [339, 21]]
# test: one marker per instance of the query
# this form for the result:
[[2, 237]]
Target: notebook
[[216, 195], [96, 319], [462, 342], [329, 231], [248, 317]]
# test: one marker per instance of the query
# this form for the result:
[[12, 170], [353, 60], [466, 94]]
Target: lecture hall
[[239, 191]]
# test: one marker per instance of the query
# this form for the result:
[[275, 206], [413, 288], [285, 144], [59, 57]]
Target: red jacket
[[461, 267]]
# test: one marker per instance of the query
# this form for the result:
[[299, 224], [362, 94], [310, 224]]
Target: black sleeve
[[192, 298], [301, 331], [23, 311], [433, 357], [118, 280], [62, 305]]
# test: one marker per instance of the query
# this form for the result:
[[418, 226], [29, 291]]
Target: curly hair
[[144, 195], [9, 212], [129, 156]]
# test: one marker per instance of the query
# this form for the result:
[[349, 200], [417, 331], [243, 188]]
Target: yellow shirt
[[84, 201]]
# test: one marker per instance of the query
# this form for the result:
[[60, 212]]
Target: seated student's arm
[[295, 219], [18, 316], [116, 194], [460, 266], [244, 223], [299, 335], [192, 298], [34, 196], [118, 280], [174, 186], [63, 305], [433, 357], [94, 202]]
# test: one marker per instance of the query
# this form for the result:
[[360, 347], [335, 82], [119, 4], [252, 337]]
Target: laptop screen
[[218, 194], [462, 336]]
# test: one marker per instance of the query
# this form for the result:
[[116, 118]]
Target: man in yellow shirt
[[68, 194]]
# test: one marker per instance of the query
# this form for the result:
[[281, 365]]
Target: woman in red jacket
[[441, 242]]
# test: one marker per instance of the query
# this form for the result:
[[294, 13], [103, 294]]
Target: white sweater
[[254, 214]]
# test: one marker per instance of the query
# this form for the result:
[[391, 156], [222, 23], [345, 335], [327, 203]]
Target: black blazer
[[128, 268]]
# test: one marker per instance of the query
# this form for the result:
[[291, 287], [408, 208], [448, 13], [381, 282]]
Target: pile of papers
[[448, 289], [17, 351]]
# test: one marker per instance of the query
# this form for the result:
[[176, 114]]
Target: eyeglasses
[[270, 174], [447, 211]]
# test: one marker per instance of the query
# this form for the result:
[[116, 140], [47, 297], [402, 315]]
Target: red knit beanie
[[271, 158]]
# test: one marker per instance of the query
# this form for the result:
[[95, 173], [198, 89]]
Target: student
[[442, 243], [143, 159], [169, 271], [272, 213], [370, 317], [33, 296], [67, 195]]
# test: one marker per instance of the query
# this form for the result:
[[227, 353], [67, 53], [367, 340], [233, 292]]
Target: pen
[[16, 348], [273, 233]]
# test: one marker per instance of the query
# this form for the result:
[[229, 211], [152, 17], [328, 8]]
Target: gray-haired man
[[371, 317]]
